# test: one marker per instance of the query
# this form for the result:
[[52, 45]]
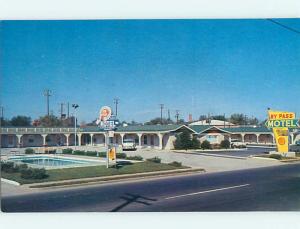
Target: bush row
[[24, 170], [92, 153]]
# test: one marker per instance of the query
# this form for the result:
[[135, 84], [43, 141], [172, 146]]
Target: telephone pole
[[169, 118], [116, 102], [177, 116], [61, 110], [2, 115], [47, 94], [68, 109], [161, 110]]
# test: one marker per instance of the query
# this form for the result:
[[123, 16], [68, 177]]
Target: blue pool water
[[48, 161]]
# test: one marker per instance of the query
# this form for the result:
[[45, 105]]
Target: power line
[[284, 26]]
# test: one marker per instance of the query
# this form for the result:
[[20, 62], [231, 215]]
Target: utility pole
[[75, 106], [61, 110], [161, 110], [224, 120], [47, 93], [116, 102], [2, 115], [68, 109], [177, 116]]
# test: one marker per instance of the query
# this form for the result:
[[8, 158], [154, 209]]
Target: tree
[[238, 119], [156, 121], [195, 143], [205, 145], [183, 140], [253, 121], [202, 117], [4, 122], [50, 121], [225, 144], [218, 117], [20, 121]]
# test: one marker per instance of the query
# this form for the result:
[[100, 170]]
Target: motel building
[[145, 136]]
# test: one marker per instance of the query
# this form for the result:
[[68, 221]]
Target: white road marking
[[213, 190]]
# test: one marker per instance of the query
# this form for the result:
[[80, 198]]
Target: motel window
[[145, 140]]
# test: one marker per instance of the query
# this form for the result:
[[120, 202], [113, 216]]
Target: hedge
[[29, 151]]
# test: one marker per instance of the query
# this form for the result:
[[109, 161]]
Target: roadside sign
[[280, 122], [290, 123], [105, 113], [112, 154], [281, 115], [111, 134]]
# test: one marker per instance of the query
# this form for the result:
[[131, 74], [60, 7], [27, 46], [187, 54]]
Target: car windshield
[[128, 141]]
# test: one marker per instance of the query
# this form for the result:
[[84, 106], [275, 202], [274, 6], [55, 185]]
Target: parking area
[[213, 161]]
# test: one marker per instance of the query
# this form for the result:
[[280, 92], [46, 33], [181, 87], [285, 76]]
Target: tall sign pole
[[108, 123]]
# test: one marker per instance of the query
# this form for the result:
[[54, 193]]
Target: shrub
[[29, 151], [154, 159], [33, 173], [205, 145], [135, 158], [121, 155], [102, 154], [79, 152], [52, 151], [225, 144], [21, 167], [67, 151], [276, 156], [8, 167], [91, 153], [175, 164]]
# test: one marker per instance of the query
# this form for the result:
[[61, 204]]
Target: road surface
[[262, 189]]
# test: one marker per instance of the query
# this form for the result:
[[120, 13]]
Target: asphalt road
[[264, 189]]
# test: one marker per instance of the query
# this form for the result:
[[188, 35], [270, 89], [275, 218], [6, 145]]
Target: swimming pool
[[53, 162]]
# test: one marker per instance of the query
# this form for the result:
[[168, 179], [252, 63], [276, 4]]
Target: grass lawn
[[92, 171]]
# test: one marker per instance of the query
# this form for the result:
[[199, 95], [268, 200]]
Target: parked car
[[129, 144], [235, 143]]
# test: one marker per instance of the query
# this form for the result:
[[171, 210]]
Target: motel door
[[10, 141]]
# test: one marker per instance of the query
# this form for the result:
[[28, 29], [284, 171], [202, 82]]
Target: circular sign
[[281, 141], [105, 113]]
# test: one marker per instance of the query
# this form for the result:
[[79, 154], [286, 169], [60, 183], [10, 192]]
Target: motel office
[[145, 136]]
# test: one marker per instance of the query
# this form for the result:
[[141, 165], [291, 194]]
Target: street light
[[75, 106]]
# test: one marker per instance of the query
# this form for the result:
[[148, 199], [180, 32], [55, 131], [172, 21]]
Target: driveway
[[211, 162]]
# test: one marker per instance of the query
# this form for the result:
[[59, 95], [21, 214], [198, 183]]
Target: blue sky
[[195, 66]]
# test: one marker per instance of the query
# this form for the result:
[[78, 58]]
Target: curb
[[110, 178], [10, 182]]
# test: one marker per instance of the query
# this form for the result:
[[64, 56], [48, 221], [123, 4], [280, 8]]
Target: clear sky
[[195, 66]]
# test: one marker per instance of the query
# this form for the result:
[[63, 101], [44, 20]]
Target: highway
[[275, 188]]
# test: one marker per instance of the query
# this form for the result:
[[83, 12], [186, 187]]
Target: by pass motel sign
[[280, 122]]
